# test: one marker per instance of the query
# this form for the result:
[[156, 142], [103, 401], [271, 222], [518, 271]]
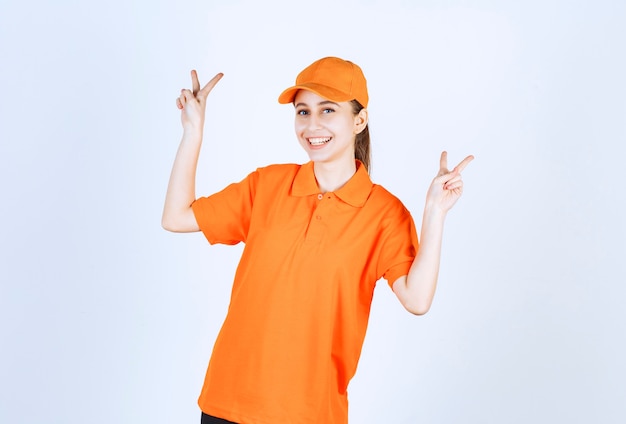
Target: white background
[[107, 318]]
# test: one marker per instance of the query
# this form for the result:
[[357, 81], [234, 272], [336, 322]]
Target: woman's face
[[326, 129]]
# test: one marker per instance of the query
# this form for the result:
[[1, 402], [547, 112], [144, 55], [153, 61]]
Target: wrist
[[192, 133], [434, 212]]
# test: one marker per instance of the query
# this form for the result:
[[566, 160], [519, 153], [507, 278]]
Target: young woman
[[317, 238]]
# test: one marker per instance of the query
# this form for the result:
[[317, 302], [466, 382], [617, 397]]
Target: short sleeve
[[224, 217], [400, 246]]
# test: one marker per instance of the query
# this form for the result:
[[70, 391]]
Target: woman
[[317, 238]]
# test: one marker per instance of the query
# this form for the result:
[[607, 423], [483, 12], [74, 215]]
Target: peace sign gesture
[[447, 186], [193, 102]]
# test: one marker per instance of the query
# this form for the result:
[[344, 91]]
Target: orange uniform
[[302, 292]]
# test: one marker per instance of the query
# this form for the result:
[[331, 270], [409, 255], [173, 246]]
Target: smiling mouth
[[318, 141]]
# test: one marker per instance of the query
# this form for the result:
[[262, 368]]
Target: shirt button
[[320, 196], [318, 217]]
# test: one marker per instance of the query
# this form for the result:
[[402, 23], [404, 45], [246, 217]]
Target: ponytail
[[362, 140]]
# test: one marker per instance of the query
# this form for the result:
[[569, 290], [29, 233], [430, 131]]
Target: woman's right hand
[[192, 103]]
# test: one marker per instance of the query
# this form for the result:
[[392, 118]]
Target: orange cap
[[332, 78]]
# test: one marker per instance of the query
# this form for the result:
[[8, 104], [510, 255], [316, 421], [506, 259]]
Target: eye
[[302, 112], [328, 110]]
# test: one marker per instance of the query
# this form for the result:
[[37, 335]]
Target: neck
[[332, 176]]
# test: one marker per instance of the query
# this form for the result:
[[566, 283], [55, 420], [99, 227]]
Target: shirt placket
[[320, 218]]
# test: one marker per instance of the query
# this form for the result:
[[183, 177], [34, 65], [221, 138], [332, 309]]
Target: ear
[[360, 121]]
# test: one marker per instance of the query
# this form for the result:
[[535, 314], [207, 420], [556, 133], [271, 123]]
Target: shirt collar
[[355, 192]]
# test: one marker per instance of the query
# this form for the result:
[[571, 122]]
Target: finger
[[443, 176], [186, 95], [452, 185], [443, 161], [209, 85], [461, 166], [195, 83], [179, 104], [447, 179], [452, 178]]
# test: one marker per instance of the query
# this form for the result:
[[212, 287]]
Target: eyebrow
[[325, 102]]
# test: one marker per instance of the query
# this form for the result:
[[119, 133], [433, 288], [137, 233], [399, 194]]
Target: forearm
[[417, 290], [181, 191]]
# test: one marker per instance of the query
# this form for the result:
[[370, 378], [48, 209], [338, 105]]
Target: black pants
[[207, 419]]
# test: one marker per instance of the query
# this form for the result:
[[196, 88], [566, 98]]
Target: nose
[[313, 123]]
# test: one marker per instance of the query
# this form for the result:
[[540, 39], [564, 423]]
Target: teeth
[[319, 141]]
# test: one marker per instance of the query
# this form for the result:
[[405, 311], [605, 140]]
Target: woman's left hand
[[447, 186]]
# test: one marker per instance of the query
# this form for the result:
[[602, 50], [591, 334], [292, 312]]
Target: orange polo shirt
[[302, 292]]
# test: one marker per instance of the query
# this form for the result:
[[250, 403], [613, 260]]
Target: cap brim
[[324, 91]]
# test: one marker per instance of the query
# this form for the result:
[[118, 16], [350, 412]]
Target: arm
[[417, 289], [181, 190]]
